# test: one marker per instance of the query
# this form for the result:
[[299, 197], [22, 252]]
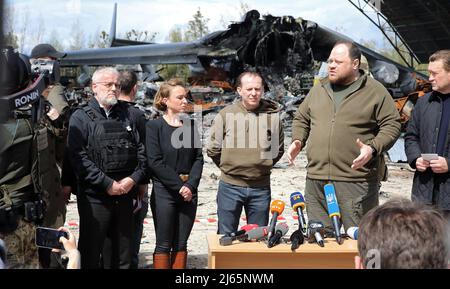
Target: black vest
[[112, 144]]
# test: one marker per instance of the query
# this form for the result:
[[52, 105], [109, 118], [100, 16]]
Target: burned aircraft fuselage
[[283, 49]]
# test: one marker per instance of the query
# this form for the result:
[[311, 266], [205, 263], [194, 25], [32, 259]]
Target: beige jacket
[[246, 144]]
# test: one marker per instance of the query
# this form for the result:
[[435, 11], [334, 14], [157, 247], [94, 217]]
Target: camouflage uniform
[[20, 146], [22, 252]]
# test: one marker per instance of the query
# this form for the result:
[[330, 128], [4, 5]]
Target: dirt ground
[[285, 180]]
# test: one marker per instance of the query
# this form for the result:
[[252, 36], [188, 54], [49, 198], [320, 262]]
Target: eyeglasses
[[109, 85]]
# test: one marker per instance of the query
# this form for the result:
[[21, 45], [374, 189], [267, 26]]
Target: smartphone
[[429, 157], [49, 238]]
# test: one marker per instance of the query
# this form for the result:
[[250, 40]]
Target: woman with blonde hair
[[175, 162]]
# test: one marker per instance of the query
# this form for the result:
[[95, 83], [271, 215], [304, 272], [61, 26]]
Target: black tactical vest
[[112, 144]]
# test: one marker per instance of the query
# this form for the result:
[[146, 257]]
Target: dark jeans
[[231, 199], [173, 218], [111, 218]]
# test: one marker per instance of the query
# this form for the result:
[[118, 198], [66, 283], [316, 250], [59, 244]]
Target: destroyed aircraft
[[285, 50]]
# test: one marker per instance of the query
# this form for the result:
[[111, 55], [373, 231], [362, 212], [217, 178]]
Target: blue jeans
[[231, 199]]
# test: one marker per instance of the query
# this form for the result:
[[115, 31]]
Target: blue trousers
[[231, 199]]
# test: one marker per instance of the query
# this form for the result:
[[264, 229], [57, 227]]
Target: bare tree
[[39, 30], [98, 39], [77, 41], [8, 11], [10, 38], [243, 9], [54, 40], [175, 35], [23, 29], [137, 35]]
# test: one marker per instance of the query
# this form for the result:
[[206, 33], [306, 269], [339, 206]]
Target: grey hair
[[103, 70]]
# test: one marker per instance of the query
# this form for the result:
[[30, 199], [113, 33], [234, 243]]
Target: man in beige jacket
[[246, 140]]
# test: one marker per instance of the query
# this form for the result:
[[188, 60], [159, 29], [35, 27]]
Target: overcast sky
[[162, 15]]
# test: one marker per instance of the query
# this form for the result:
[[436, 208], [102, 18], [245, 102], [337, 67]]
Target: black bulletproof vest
[[112, 144]]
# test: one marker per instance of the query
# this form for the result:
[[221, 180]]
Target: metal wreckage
[[290, 54]]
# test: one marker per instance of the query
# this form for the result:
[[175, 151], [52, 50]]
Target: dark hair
[[127, 80], [405, 234], [353, 49], [249, 73], [443, 55], [164, 92]]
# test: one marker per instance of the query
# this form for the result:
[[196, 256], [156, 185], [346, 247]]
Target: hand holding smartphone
[[49, 238], [429, 157]]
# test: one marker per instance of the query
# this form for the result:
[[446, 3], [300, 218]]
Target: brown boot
[[161, 261], [179, 260]]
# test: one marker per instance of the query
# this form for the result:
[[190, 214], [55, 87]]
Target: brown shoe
[[161, 261], [179, 260]]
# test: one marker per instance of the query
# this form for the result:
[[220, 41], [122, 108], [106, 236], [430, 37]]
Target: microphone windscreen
[[297, 201], [282, 227], [257, 233], [332, 204], [352, 232], [277, 206]]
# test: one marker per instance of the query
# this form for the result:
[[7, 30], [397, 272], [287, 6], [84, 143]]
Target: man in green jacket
[[246, 140], [349, 120]]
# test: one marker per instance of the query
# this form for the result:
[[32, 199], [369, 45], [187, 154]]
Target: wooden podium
[[256, 255]]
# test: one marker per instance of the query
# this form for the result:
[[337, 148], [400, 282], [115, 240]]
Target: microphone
[[242, 230], [298, 204], [276, 208], [333, 210], [228, 238], [297, 239], [315, 232], [280, 230], [352, 232], [255, 234]]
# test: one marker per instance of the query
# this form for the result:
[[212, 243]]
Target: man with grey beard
[[108, 159]]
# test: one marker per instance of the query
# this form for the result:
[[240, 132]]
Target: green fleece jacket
[[369, 114], [246, 144]]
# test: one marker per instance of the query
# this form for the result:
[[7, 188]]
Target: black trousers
[[138, 223], [173, 218], [109, 219]]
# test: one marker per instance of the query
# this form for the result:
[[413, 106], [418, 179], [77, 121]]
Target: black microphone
[[276, 208], [297, 239], [280, 230], [315, 232]]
